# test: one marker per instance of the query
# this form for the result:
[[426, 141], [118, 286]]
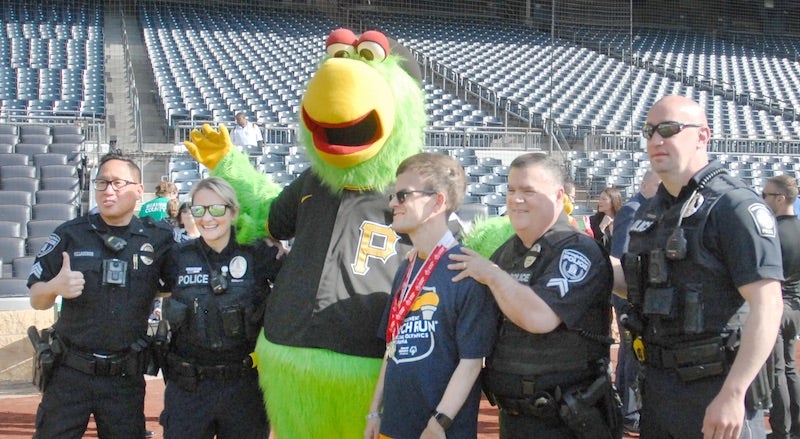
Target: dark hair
[[538, 159], [184, 207], [785, 184], [616, 198], [117, 155]]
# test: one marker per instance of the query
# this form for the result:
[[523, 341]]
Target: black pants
[[672, 409], [784, 417], [117, 404], [229, 409]]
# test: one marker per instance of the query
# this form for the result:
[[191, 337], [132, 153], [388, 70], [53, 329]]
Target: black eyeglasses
[[401, 195], [666, 129], [117, 185], [216, 210], [770, 194]]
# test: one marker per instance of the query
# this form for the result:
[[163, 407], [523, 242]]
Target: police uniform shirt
[[191, 266], [249, 135], [105, 318], [740, 230], [571, 275], [731, 240], [570, 272], [339, 272]]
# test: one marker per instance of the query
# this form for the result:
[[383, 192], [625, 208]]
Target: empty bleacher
[[51, 59], [39, 190]]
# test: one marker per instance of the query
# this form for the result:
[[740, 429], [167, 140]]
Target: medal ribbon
[[402, 303]]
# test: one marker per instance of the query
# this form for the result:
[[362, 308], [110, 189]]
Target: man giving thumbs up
[[106, 268]]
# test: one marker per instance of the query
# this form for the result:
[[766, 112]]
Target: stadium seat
[[29, 184], [54, 211], [16, 197], [65, 183], [52, 171], [54, 196], [15, 288], [11, 229], [14, 159], [10, 248], [21, 267], [9, 171], [42, 227]]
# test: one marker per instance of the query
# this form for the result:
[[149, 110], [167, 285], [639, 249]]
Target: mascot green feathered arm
[[488, 235], [213, 148]]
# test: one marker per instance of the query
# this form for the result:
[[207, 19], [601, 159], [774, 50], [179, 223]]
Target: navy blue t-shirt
[[447, 322]]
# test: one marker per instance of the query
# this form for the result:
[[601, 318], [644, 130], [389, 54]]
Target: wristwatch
[[442, 419]]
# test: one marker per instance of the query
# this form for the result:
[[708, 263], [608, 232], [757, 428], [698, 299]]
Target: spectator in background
[[186, 228], [602, 222], [628, 368], [784, 417], [157, 207], [246, 134], [173, 210]]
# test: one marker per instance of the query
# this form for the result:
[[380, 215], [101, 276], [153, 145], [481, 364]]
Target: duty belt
[[181, 367], [96, 364], [689, 362], [532, 396]]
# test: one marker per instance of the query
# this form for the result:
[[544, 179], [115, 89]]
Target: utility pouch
[[632, 268], [693, 309], [139, 358], [175, 312], [660, 302], [232, 321], [586, 413], [44, 361], [759, 394]]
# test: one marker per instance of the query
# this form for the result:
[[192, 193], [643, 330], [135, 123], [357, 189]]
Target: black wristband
[[442, 419]]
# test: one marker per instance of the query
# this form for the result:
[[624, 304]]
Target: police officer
[[703, 249], [549, 370], [106, 268], [215, 313]]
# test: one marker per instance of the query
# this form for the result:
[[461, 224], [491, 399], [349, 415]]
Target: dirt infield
[[18, 405]]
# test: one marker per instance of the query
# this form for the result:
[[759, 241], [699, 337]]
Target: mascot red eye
[[373, 46], [341, 43]]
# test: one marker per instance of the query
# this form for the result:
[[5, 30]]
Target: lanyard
[[407, 293]]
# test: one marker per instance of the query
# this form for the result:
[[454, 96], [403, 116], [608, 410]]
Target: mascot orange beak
[[349, 110]]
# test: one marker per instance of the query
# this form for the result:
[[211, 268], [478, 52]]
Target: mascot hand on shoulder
[[361, 115]]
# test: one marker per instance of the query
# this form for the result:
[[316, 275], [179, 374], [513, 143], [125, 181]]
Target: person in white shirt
[[246, 134]]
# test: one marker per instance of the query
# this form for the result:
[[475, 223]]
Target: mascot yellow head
[[363, 111]]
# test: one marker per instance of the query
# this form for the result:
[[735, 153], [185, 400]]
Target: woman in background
[[602, 222]]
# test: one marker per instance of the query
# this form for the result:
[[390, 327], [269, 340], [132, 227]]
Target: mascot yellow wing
[[213, 148]]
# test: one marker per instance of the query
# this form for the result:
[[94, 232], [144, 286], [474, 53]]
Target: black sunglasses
[[665, 129], [770, 194], [216, 210], [401, 195]]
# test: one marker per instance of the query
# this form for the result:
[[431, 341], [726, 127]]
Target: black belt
[[676, 357], [97, 364], [178, 366]]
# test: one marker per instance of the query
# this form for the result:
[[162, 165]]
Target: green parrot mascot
[[319, 356]]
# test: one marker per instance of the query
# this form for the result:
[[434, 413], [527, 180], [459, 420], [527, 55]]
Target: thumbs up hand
[[70, 282]]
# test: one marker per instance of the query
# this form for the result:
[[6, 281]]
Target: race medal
[[391, 349]]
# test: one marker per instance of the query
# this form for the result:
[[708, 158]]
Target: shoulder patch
[[763, 220], [49, 245], [574, 265]]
